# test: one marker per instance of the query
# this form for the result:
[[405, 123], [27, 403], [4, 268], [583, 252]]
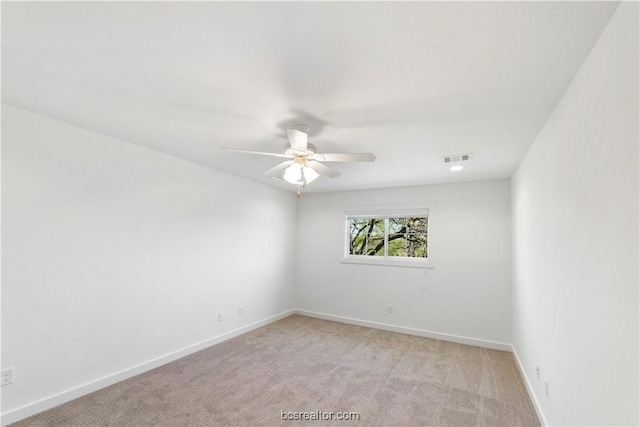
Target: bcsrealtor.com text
[[319, 416]]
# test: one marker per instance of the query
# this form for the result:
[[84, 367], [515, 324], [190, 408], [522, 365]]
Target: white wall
[[115, 255], [468, 292], [575, 227]]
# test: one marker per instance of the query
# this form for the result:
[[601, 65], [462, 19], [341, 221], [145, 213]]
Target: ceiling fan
[[304, 164]]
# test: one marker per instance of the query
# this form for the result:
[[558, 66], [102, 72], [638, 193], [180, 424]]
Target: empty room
[[320, 213]]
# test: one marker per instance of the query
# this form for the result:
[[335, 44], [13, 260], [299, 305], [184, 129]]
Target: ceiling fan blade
[[322, 169], [344, 157], [278, 168], [262, 153], [297, 139]]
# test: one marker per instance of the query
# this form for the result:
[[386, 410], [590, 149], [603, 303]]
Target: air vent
[[457, 158]]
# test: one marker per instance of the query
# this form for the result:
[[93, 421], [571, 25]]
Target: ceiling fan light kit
[[299, 173], [304, 164]]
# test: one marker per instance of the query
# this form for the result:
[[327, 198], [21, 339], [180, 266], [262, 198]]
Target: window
[[389, 237]]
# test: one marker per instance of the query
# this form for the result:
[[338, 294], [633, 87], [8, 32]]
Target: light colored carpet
[[303, 364]]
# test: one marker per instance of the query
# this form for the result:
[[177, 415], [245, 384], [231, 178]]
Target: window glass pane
[[366, 236], [408, 237], [377, 229], [417, 225], [398, 247], [416, 245], [356, 236], [396, 225], [375, 246]]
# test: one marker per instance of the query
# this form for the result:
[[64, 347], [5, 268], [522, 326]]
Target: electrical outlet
[[546, 387], [538, 372], [220, 316], [241, 310], [389, 309], [7, 376]]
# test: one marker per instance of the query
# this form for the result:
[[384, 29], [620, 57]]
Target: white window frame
[[387, 212]]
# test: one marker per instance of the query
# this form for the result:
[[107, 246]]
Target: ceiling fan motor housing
[[295, 152]]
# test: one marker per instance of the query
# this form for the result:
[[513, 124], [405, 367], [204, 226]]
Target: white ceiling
[[408, 81]]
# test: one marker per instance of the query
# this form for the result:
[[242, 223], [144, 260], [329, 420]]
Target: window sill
[[424, 264]]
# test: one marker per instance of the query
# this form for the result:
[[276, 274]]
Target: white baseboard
[[527, 383], [410, 331], [76, 392]]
